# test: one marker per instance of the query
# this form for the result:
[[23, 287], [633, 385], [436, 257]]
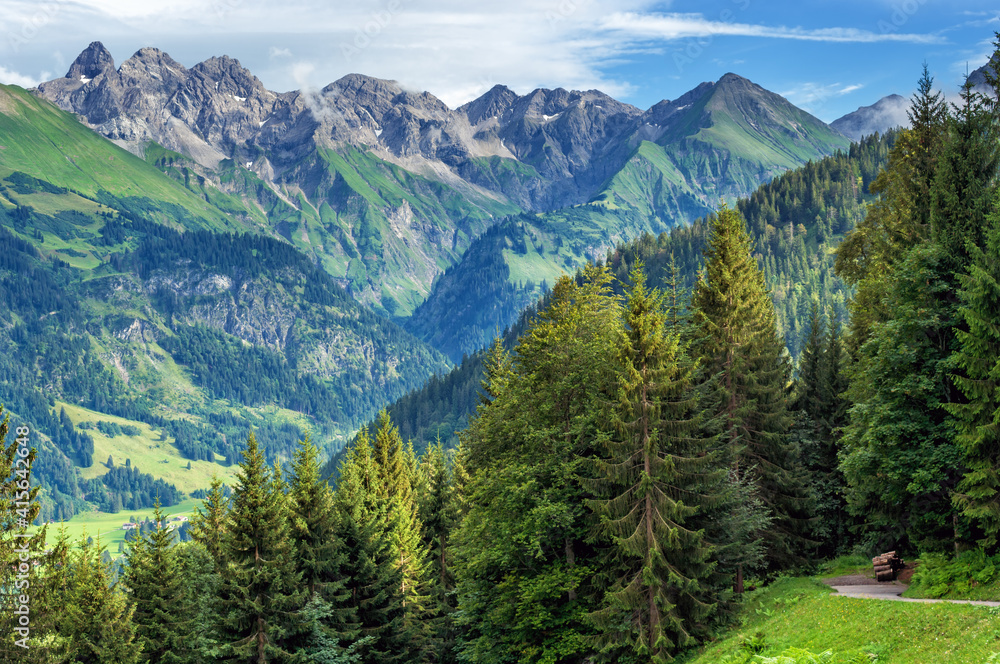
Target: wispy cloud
[[11, 77], [809, 95], [684, 26], [453, 48]]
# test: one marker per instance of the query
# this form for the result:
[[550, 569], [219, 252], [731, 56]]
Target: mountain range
[[195, 254], [386, 188]]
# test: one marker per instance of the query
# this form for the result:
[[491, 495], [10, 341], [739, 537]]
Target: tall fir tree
[[899, 455], [398, 474], [928, 113], [899, 219], [901, 459], [96, 622], [739, 345], [649, 485], [821, 411], [373, 580], [978, 359], [198, 570], [162, 610], [319, 554], [524, 568], [965, 179], [261, 594], [208, 525], [439, 514]]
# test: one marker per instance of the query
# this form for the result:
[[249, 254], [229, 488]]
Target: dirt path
[[864, 587]]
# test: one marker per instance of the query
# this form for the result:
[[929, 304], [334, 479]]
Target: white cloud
[[808, 95], [684, 26], [9, 77], [453, 48]]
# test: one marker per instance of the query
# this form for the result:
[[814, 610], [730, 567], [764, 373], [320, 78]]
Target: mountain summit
[[885, 114], [386, 187]]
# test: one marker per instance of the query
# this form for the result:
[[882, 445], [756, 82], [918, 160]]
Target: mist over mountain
[[885, 114]]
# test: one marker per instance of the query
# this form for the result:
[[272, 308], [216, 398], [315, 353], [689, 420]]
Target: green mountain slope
[[720, 141], [41, 141], [113, 316], [380, 230], [795, 222]]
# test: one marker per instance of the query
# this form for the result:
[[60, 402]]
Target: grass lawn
[[159, 458], [108, 527], [802, 613]]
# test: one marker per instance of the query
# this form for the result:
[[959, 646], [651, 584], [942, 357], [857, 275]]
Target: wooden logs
[[886, 566]]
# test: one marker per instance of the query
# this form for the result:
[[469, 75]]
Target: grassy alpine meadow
[[106, 528], [148, 451], [800, 620]]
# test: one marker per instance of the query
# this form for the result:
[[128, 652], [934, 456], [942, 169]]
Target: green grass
[[39, 139], [107, 527], [147, 452], [802, 613], [845, 565]]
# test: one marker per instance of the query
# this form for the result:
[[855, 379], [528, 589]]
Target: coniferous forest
[[642, 447]]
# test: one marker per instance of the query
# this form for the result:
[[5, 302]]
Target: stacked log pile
[[887, 566]]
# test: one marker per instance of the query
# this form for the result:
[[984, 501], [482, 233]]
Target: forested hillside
[[637, 454], [796, 222], [127, 301]]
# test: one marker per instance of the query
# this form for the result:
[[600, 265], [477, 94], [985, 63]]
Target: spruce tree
[[197, 569], [650, 484], [49, 589], [96, 620], [978, 358], [373, 579], [260, 590], [901, 217], [524, 569], [928, 113], [397, 475], [739, 345], [319, 554], [208, 525], [158, 594], [965, 180], [439, 514], [899, 459]]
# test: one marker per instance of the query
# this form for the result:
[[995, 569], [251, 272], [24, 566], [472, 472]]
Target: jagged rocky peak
[[228, 76], [92, 62], [153, 63], [494, 104], [365, 91], [549, 103]]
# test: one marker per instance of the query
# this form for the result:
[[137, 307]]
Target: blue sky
[[825, 56]]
